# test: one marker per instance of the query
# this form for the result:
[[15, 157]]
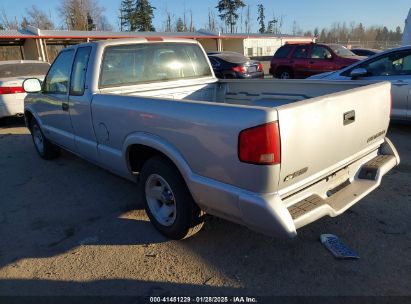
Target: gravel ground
[[70, 228]]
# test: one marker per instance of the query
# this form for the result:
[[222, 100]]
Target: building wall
[[209, 45], [30, 50], [261, 46], [233, 45]]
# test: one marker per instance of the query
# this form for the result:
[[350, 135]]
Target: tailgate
[[323, 134]]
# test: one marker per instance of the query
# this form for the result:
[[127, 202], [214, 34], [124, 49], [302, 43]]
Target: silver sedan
[[393, 65]]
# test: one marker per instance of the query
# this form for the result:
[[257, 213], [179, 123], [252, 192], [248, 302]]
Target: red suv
[[304, 60]]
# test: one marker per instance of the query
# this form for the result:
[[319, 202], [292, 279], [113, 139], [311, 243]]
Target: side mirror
[[32, 85], [358, 73]]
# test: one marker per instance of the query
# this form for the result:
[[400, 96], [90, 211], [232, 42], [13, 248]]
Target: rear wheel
[[43, 146], [285, 74], [168, 202]]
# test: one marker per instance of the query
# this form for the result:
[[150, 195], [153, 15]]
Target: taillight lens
[[240, 69], [260, 145], [11, 90], [260, 67]]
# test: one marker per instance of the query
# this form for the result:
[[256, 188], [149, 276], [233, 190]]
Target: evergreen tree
[[316, 32], [144, 14], [180, 26], [261, 18], [228, 12], [127, 16], [90, 23]]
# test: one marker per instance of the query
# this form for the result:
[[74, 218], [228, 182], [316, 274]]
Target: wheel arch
[[29, 115], [139, 147]]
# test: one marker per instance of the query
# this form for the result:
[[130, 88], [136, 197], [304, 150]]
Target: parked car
[[229, 65], [12, 74], [304, 60], [273, 155], [393, 65], [365, 52]]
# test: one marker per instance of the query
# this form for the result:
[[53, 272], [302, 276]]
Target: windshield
[[341, 50]]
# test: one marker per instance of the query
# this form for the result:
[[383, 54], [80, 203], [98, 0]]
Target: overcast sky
[[308, 14]]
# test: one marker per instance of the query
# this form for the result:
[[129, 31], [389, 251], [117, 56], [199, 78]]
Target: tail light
[[239, 69], [11, 90], [260, 145], [260, 67]]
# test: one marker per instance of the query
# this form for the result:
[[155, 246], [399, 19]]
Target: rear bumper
[[11, 105], [282, 216]]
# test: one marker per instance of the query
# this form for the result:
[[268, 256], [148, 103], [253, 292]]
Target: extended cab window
[[57, 79], [142, 63], [78, 75], [301, 52]]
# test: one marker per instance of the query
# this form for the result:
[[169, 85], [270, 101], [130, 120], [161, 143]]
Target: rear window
[[141, 63], [283, 52], [23, 69]]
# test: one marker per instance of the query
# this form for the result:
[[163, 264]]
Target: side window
[[214, 62], [57, 79], [320, 52], [389, 65], [78, 75], [301, 52], [283, 52]]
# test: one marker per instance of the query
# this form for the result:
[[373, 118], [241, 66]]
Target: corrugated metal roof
[[16, 34], [64, 34]]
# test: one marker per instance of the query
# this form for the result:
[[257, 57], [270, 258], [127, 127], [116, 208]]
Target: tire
[[285, 74], [43, 146], [167, 200]]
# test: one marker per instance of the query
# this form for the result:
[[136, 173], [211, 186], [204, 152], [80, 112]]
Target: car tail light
[[239, 69], [260, 145], [260, 67], [11, 90]]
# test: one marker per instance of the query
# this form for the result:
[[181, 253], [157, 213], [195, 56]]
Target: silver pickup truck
[[273, 155]]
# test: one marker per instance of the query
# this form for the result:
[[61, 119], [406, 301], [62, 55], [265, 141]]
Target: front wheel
[[167, 200], [44, 147]]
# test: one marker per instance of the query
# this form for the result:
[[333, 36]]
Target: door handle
[[65, 106], [349, 117], [311, 62]]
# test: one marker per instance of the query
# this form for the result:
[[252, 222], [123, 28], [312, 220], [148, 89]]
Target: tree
[[168, 22], [247, 21], [228, 12], [272, 26], [144, 16], [74, 14], [180, 26], [127, 16], [261, 18], [6, 23], [90, 23], [316, 33], [24, 23], [38, 18], [212, 24]]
